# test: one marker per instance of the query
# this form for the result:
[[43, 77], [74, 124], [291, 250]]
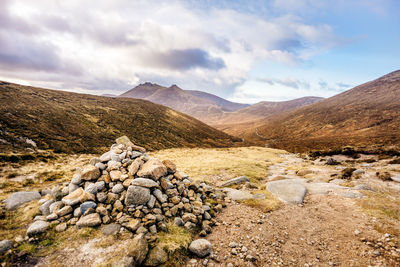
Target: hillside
[[262, 110], [363, 116], [203, 106], [70, 122]]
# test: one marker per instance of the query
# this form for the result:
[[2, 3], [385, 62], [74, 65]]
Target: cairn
[[126, 186]]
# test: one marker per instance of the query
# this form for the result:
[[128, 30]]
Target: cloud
[[185, 59], [119, 44], [288, 82]]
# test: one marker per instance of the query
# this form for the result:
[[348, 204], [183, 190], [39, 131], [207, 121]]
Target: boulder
[[110, 229], [237, 180], [90, 220], [289, 191], [137, 195], [171, 167], [18, 198], [200, 247], [87, 205], [45, 207], [37, 227], [156, 257], [153, 168]]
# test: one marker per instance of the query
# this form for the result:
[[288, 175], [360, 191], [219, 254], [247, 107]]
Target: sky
[[244, 51]]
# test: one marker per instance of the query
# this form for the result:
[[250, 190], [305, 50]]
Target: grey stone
[[90, 220], [118, 188], [237, 180], [200, 247], [396, 178], [73, 198], [156, 257], [52, 217], [56, 206], [18, 198], [106, 156], [153, 168], [91, 188], [89, 173], [45, 207], [137, 195], [178, 221], [100, 185], [72, 187], [362, 187], [238, 194], [64, 211], [144, 182], [138, 249], [160, 196], [289, 191], [5, 245], [76, 179], [101, 166], [40, 218], [87, 205], [101, 197], [151, 202], [61, 227], [37, 227], [110, 229], [77, 212]]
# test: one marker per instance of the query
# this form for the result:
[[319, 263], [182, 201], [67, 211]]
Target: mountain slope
[[203, 106], [262, 110], [70, 122], [366, 115]]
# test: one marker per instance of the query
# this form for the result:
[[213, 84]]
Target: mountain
[[203, 106], [367, 115], [109, 95], [72, 123], [262, 110]]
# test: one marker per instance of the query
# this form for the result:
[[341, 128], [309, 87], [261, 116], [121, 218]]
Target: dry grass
[[270, 203], [176, 238], [200, 164], [348, 184], [385, 207]]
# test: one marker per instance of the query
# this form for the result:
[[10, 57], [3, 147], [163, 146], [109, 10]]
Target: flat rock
[[322, 188], [289, 191], [200, 247], [144, 182], [37, 227], [137, 195], [90, 220], [237, 180], [153, 168], [73, 198], [18, 198], [349, 194], [235, 194], [110, 229]]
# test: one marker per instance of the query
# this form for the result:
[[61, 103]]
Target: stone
[[124, 140], [76, 179], [87, 205], [73, 198], [100, 185], [178, 221], [110, 229], [396, 178], [118, 188], [132, 224], [160, 196], [134, 167], [18, 198], [100, 165], [303, 172], [235, 194], [115, 175], [45, 207], [137, 195], [127, 183], [189, 217], [90, 220], [144, 182], [171, 167], [86, 196], [61, 227], [37, 227], [90, 172], [237, 180], [101, 197], [5, 245], [106, 156], [151, 202], [77, 212], [289, 191], [153, 168], [64, 211], [156, 257], [200, 247], [91, 188], [52, 217], [138, 249], [72, 187]]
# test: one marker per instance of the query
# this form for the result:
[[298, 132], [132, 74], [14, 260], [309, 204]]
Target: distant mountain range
[[367, 115], [80, 123]]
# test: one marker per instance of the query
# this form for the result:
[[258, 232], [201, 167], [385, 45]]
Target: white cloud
[[113, 45]]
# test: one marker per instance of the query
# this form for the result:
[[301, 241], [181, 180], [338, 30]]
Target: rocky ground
[[325, 211]]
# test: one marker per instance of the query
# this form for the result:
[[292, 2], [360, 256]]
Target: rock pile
[[127, 187]]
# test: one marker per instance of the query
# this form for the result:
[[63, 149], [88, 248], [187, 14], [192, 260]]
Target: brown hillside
[[366, 115], [70, 122], [203, 106]]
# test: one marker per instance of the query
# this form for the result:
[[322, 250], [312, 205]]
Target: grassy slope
[[367, 115], [70, 122]]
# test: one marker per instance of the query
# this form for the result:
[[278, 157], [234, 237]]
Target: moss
[[27, 248]]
